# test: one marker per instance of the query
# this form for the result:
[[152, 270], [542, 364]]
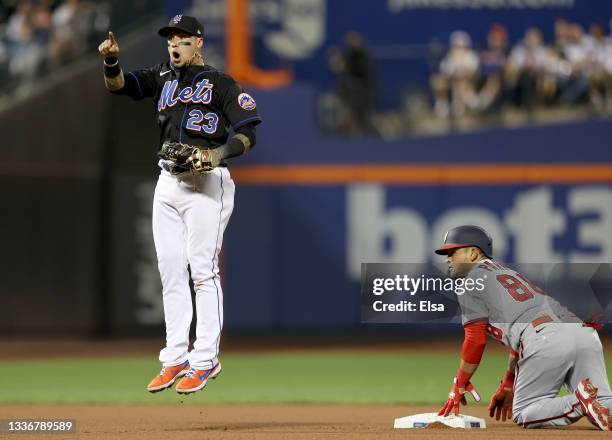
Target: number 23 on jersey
[[200, 122]]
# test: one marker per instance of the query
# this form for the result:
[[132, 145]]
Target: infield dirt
[[265, 422]]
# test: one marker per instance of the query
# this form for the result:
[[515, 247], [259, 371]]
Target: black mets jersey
[[196, 105]]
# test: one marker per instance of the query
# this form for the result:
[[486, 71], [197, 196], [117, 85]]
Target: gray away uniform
[[554, 347]]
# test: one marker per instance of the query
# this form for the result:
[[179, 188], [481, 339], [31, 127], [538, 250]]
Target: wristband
[[111, 67]]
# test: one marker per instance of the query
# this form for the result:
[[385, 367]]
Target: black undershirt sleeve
[[234, 147]]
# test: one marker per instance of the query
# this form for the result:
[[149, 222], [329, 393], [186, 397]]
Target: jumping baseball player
[[549, 346], [197, 105]]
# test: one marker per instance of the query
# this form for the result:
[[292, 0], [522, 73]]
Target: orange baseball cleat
[[167, 376], [196, 379]]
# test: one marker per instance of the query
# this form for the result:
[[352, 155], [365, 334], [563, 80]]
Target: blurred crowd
[[39, 35], [570, 75], [576, 68]]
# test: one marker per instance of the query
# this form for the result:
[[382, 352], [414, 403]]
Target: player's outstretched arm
[[113, 76], [474, 343]]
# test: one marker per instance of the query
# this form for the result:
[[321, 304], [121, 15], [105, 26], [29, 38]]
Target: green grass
[[290, 377]]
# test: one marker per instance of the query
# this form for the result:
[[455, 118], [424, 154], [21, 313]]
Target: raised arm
[[113, 76]]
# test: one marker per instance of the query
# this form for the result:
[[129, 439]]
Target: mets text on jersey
[[201, 94]]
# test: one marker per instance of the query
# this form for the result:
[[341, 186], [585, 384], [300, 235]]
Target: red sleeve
[[474, 342]]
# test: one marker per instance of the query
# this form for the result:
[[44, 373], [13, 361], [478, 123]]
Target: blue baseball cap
[[466, 236]]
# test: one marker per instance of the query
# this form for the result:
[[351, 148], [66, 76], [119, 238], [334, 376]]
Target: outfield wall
[[310, 209]]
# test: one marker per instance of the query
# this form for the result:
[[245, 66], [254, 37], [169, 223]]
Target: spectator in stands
[[18, 33], [41, 27], [598, 50], [356, 85], [25, 54], [562, 35], [492, 65], [66, 36], [41, 21], [530, 70], [457, 77], [605, 60], [576, 53]]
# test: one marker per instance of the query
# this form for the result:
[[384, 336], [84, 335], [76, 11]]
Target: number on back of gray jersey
[[509, 302]]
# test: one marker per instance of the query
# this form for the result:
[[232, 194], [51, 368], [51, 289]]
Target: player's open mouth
[[176, 55]]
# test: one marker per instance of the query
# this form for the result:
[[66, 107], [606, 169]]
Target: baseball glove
[[186, 157], [203, 160]]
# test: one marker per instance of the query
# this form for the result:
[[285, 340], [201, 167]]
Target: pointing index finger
[[111, 37]]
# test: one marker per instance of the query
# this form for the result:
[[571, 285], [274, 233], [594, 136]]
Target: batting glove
[[501, 401], [456, 397]]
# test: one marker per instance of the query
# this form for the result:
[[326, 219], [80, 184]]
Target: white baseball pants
[[190, 213]]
